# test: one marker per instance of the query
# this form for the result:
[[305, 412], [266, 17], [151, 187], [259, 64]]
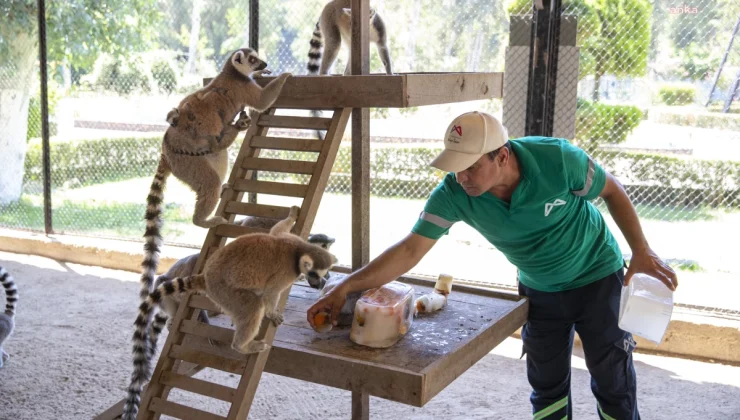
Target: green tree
[[77, 32], [614, 36]]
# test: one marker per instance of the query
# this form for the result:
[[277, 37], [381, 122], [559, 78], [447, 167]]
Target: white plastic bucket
[[646, 307]]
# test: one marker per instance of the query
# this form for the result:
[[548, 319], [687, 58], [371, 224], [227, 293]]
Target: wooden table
[[438, 348]]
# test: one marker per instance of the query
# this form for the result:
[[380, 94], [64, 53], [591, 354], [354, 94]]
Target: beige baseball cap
[[468, 137]]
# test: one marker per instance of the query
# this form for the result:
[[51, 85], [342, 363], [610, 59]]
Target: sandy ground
[[70, 360]]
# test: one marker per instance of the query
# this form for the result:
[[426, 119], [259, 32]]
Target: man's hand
[[649, 263], [331, 303]]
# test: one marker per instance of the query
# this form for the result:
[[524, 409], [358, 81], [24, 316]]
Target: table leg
[[360, 405]]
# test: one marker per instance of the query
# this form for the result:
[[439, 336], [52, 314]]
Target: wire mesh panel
[[652, 85], [21, 186]]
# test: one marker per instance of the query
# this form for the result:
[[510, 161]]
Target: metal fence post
[[46, 158], [543, 67]]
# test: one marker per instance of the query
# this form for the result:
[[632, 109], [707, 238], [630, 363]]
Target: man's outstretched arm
[[388, 266], [644, 259]]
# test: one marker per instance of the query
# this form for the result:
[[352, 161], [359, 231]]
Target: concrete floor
[[70, 359]]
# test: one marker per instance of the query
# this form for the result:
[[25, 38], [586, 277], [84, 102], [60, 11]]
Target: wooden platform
[[386, 91], [438, 348]]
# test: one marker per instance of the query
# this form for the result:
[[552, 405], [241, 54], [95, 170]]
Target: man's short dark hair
[[492, 154]]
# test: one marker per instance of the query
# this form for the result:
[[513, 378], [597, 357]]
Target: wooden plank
[[360, 63], [259, 210], [114, 411], [202, 302], [220, 334], [228, 230], [198, 386], [320, 176], [287, 143], [307, 364], [445, 370], [430, 89], [256, 363], [387, 91], [181, 411], [166, 363], [284, 121], [279, 165], [360, 405], [208, 360], [355, 91], [273, 188]]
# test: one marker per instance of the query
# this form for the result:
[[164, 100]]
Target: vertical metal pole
[[543, 59], [46, 150], [360, 64], [254, 43], [722, 64]]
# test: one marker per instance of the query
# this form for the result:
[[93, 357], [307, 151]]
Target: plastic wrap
[[383, 315]]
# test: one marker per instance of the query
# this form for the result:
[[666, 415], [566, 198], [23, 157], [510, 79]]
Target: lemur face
[[246, 61]]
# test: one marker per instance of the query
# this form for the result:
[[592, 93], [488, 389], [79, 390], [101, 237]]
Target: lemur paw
[[173, 116], [294, 212], [212, 222], [225, 187], [243, 122], [275, 318], [251, 347], [260, 73]]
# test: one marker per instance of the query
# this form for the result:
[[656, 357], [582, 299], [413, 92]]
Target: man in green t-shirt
[[531, 198]]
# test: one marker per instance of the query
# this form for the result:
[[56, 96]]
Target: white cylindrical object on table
[[430, 302], [444, 284]]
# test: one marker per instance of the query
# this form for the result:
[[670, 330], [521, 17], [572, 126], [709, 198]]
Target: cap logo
[[455, 134]]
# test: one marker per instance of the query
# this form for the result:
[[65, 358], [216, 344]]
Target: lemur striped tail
[[314, 53], [152, 235], [314, 65], [141, 352], [11, 293]]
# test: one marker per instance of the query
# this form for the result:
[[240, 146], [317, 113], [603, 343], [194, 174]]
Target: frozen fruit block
[[383, 315]]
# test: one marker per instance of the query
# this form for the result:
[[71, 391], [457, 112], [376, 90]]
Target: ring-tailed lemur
[[333, 28], [7, 318], [245, 278], [194, 146]]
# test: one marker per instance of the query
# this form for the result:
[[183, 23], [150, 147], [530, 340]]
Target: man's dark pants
[[592, 311]]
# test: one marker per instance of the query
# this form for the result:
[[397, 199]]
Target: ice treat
[[444, 284], [430, 302], [383, 315]]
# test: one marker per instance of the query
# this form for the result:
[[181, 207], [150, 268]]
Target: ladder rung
[[202, 302], [180, 411], [279, 165], [282, 121], [286, 143], [228, 230], [198, 386], [209, 360], [274, 188], [220, 334], [259, 210]]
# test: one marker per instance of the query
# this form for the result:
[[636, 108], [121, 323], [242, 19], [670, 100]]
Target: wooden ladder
[[187, 349]]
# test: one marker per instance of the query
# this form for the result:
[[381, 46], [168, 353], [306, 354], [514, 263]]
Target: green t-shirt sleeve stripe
[[586, 178], [439, 213]]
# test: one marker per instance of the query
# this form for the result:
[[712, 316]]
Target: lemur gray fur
[[7, 318], [185, 266], [245, 279], [195, 145], [333, 28]]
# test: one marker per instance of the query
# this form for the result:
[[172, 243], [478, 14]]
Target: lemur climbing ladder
[[185, 342]]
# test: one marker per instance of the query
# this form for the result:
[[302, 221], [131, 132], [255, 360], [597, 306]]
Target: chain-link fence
[[637, 75]]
